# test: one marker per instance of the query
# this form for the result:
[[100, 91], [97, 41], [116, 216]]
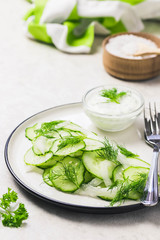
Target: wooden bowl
[[132, 69]]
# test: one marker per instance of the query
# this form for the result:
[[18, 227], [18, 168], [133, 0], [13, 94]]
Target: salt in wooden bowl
[[132, 69]]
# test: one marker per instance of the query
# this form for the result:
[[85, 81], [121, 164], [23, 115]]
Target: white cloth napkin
[[70, 25]]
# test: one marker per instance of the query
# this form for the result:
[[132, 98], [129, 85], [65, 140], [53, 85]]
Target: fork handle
[[150, 197]]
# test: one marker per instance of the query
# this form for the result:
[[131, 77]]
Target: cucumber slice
[[73, 127], [92, 135], [45, 176], [104, 192], [68, 148], [135, 162], [41, 145], [98, 167], [97, 191], [96, 182], [118, 173], [57, 134], [51, 134], [32, 159], [77, 133], [67, 175], [30, 132], [62, 124], [77, 154], [87, 176], [109, 194], [134, 195], [92, 144], [51, 162], [132, 173], [63, 133]]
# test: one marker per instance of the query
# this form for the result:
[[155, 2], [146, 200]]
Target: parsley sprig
[[112, 95], [12, 218]]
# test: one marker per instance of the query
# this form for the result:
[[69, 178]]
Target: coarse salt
[[127, 45]]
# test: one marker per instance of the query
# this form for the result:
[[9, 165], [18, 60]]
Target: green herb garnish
[[69, 140], [108, 152], [127, 153], [48, 126], [71, 172], [129, 186], [67, 172], [12, 218], [51, 129], [112, 95], [48, 129]]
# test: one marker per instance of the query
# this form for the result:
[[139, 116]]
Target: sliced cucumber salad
[[76, 160]]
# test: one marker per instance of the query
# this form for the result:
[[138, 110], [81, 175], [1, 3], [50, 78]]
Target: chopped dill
[[69, 140], [129, 186], [108, 152], [127, 153], [112, 95]]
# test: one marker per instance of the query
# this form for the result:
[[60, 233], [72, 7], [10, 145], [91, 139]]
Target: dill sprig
[[69, 140], [66, 172], [108, 152], [48, 129], [127, 153], [112, 95], [130, 186], [71, 172], [49, 126]]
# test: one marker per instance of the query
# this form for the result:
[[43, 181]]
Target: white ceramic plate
[[31, 178]]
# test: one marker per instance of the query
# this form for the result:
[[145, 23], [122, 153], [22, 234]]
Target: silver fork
[[152, 137]]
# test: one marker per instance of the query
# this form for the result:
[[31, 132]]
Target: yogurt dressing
[[112, 116], [128, 103]]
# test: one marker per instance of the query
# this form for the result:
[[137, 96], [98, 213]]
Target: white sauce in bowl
[[99, 104], [112, 116]]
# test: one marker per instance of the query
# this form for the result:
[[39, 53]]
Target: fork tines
[[152, 120]]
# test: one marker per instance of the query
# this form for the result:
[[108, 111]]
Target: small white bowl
[[113, 117]]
